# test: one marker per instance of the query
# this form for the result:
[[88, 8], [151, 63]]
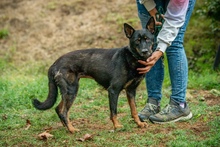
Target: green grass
[[207, 79], [90, 113], [4, 33]]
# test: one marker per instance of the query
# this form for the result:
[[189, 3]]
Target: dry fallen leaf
[[45, 135], [86, 137], [28, 124], [48, 129], [4, 117]]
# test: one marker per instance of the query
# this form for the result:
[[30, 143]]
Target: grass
[[90, 113], [211, 80], [4, 33]]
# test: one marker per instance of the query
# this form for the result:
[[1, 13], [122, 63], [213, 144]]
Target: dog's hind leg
[[131, 100], [113, 102], [68, 88], [63, 111]]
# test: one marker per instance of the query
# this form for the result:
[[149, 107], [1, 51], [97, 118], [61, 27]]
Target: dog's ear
[[151, 25], [129, 31]]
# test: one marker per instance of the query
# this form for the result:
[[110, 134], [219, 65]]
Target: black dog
[[114, 69]]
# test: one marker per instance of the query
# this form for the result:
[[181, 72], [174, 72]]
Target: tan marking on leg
[[62, 110], [70, 126], [61, 107], [134, 113], [116, 123]]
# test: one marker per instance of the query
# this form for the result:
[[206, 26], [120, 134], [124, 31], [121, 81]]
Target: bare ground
[[43, 30]]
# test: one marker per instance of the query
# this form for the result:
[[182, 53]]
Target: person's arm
[[148, 4], [174, 19]]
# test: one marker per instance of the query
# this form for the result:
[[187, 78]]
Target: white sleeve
[[148, 4], [174, 19]]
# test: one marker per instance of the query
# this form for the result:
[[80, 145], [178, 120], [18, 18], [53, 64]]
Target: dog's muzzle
[[146, 52]]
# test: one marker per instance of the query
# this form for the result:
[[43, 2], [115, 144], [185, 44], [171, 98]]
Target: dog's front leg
[[113, 102], [132, 104]]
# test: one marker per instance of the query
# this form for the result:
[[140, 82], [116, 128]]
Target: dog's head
[[141, 41]]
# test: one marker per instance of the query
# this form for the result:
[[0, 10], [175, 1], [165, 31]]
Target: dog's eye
[[147, 39], [138, 40]]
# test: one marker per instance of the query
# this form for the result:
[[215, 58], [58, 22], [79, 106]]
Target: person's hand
[[150, 62], [153, 13]]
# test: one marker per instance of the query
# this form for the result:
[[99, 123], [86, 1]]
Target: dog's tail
[[51, 98]]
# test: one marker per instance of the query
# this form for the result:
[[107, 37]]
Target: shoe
[[151, 108], [171, 113]]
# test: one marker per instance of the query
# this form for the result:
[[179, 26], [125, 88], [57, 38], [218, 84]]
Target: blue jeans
[[177, 61]]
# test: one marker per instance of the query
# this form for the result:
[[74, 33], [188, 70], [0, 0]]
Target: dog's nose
[[147, 52]]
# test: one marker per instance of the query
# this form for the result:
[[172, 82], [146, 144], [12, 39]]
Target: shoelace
[[149, 107], [167, 109]]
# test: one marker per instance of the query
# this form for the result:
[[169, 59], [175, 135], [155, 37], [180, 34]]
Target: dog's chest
[[133, 81]]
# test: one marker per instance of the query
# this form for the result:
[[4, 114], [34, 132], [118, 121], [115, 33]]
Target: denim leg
[[154, 78], [144, 14], [177, 61]]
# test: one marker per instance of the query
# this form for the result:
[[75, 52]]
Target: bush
[[211, 9], [3, 33]]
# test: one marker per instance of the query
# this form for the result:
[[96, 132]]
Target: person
[[169, 40]]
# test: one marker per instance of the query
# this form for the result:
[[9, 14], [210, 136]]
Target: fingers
[[159, 20], [142, 62], [149, 63], [144, 69], [151, 58], [157, 23], [148, 66]]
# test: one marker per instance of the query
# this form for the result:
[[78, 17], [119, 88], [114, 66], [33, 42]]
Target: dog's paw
[[118, 126], [72, 130], [142, 125]]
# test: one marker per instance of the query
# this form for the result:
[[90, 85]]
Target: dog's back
[[100, 64]]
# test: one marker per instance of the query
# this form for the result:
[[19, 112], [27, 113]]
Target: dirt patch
[[211, 97], [43, 30], [199, 128]]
